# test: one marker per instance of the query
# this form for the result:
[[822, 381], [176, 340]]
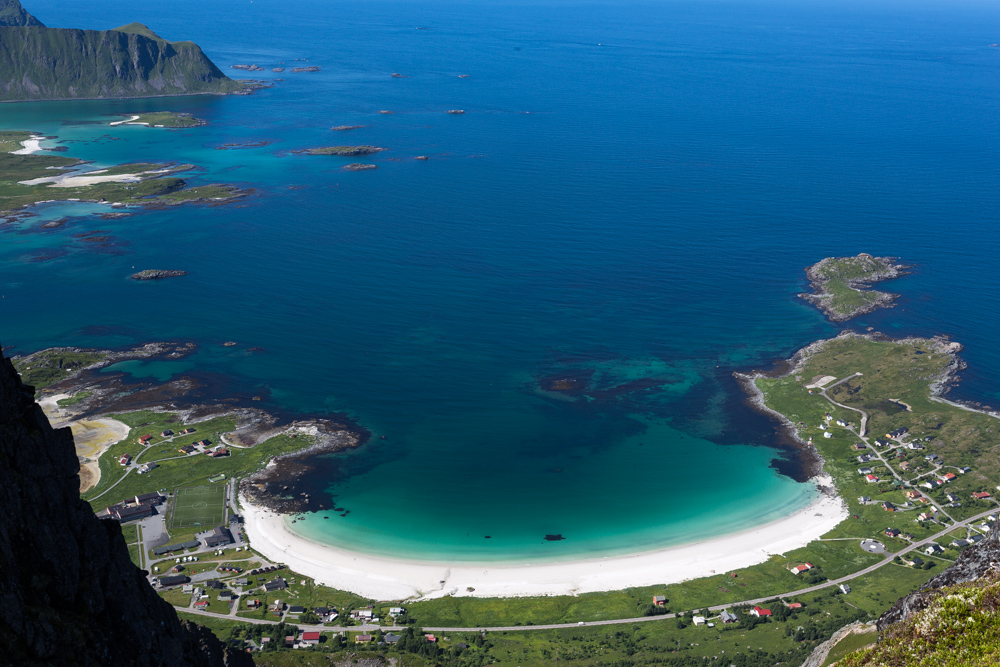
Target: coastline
[[93, 437], [398, 579]]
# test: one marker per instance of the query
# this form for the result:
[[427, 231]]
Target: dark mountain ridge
[[39, 63], [69, 593]]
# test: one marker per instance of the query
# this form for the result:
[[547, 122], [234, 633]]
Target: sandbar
[[398, 579], [89, 178], [92, 436]]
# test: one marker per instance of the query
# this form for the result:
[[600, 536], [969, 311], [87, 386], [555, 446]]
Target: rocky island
[[348, 151], [157, 274], [359, 166], [40, 63], [840, 285], [169, 119]]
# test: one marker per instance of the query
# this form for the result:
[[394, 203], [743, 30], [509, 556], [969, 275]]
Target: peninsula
[[40, 63], [840, 285]]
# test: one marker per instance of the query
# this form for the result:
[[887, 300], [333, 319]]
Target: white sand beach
[[127, 121], [32, 145], [92, 436], [398, 579], [88, 178]]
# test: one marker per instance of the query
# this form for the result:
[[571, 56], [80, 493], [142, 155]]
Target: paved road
[[641, 619]]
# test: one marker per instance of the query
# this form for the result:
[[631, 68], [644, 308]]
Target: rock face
[[69, 594], [973, 563], [12, 13], [39, 63]]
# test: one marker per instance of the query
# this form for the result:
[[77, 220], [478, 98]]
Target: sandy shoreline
[[93, 437], [32, 145], [397, 579]]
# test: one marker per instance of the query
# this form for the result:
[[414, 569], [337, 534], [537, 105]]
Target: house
[[980, 495], [166, 433], [699, 620], [915, 446], [924, 516], [296, 609], [892, 532], [794, 605], [396, 611], [845, 589], [218, 537], [828, 435], [822, 427], [144, 440], [728, 617], [865, 458], [880, 443], [187, 431], [174, 580], [390, 638], [289, 641], [146, 467], [201, 604], [760, 612], [431, 638], [933, 549], [362, 639], [221, 451], [949, 476], [277, 605], [841, 422], [975, 538], [241, 582], [321, 611], [253, 604], [965, 469], [864, 471], [799, 569], [359, 614], [932, 484], [912, 493], [858, 446], [310, 638], [914, 561], [888, 507], [126, 513], [952, 497], [960, 544], [187, 588], [125, 459], [186, 449], [659, 600], [153, 498], [864, 500], [215, 584], [871, 479], [204, 443], [930, 457], [905, 465], [276, 585]]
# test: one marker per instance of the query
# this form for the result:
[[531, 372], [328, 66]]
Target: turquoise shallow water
[[631, 196]]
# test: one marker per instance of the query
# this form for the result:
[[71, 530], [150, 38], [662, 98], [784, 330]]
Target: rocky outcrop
[[157, 274], [69, 593], [972, 564]]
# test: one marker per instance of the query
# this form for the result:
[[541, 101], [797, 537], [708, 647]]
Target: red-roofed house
[[758, 612], [430, 638], [871, 479], [125, 459], [144, 440], [795, 605], [799, 569], [948, 476], [980, 495], [201, 604], [309, 638]]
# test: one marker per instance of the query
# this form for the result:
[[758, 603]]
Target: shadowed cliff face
[[69, 594]]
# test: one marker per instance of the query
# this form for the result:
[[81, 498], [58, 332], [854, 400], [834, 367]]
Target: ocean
[[629, 200]]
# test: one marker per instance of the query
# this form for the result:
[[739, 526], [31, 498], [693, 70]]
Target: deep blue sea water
[[632, 194]]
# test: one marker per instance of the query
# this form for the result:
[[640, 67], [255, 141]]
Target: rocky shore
[[841, 285]]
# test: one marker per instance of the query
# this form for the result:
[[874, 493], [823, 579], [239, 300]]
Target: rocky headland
[[841, 285]]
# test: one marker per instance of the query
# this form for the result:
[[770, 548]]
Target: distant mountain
[[39, 63], [12, 13]]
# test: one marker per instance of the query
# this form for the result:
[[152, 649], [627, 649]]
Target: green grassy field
[[194, 506], [849, 644], [50, 366]]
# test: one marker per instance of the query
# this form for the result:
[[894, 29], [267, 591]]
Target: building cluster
[[138, 507]]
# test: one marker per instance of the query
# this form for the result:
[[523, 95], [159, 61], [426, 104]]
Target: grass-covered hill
[[39, 63], [12, 13]]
